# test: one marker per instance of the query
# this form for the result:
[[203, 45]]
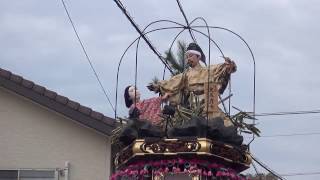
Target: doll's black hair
[[127, 98]]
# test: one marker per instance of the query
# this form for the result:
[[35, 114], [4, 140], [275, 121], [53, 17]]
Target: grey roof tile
[[50, 94], [38, 89], [62, 99], [27, 83], [72, 104], [85, 110], [96, 115], [56, 97]]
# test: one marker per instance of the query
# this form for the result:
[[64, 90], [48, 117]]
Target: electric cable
[[289, 135], [186, 19], [302, 173], [288, 113], [256, 170], [87, 56], [266, 167], [125, 12]]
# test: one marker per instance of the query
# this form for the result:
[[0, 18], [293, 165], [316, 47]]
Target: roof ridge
[[52, 95]]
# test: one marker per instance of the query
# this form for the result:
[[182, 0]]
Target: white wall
[[32, 136]]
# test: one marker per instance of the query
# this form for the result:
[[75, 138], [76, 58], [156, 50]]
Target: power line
[[289, 135], [302, 173], [293, 134], [266, 167], [287, 113], [255, 168], [86, 54], [185, 18], [280, 176], [135, 25]]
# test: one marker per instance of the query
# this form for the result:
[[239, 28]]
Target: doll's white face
[[132, 91], [192, 59]]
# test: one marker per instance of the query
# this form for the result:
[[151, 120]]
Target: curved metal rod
[[137, 47], [186, 19], [158, 21], [122, 56], [117, 79], [188, 27], [208, 29], [135, 25], [136, 72], [193, 29], [224, 108], [254, 65], [175, 38], [226, 29], [209, 61], [164, 20]]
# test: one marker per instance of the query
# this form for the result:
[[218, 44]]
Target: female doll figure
[[147, 109]]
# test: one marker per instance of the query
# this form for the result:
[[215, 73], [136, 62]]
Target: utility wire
[[287, 113], [255, 168], [289, 135], [280, 176], [86, 54], [293, 134], [266, 167], [135, 25], [187, 22], [302, 174]]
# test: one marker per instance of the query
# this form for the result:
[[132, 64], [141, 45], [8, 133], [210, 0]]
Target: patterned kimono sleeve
[[150, 110], [220, 73], [172, 85]]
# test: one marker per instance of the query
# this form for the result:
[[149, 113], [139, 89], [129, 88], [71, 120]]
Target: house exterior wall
[[32, 136]]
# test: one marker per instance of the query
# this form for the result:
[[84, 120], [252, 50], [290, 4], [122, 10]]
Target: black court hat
[[195, 48]]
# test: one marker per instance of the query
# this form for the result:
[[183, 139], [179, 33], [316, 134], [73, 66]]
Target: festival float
[[186, 132]]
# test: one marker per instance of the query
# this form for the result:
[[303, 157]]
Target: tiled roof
[[56, 102]]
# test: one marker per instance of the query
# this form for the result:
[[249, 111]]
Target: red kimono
[[150, 109]]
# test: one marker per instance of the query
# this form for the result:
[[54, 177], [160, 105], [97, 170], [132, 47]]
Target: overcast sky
[[38, 43]]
